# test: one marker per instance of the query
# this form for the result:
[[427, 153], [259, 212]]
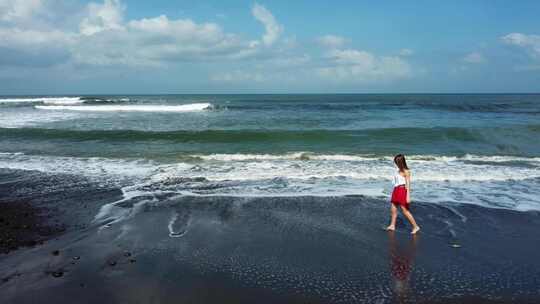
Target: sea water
[[462, 149]]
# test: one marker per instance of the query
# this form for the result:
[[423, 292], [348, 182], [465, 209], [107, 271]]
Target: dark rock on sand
[[23, 225], [9, 277], [57, 274]]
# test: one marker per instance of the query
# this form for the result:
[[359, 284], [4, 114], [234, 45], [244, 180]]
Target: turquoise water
[[480, 149], [367, 124]]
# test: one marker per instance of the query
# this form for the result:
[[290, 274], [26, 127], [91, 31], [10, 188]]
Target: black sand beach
[[186, 249]]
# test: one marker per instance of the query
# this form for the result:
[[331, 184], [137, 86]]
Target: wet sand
[[182, 249], [36, 207], [23, 225]]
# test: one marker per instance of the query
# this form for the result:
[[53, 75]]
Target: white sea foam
[[112, 169], [350, 157], [440, 180], [44, 100], [248, 157], [112, 213], [381, 169], [241, 167], [130, 108], [28, 118]]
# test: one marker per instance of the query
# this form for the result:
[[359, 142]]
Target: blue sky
[[134, 47]]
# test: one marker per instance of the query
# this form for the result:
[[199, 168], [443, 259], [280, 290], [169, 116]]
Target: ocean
[[268, 199], [477, 149]]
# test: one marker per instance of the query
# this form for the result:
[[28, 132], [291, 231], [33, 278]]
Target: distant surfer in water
[[401, 195]]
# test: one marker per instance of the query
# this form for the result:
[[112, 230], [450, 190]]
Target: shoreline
[[272, 249]]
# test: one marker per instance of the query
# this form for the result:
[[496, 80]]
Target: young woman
[[401, 195]]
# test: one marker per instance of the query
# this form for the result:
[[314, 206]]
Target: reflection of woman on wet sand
[[401, 262]]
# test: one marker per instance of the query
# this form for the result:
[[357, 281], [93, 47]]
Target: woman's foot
[[391, 228], [415, 230]]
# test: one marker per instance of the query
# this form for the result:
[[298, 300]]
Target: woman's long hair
[[400, 162]]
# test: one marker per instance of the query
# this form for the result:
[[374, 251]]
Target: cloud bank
[[104, 37], [36, 34]]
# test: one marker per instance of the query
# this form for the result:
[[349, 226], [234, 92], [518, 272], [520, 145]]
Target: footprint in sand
[[179, 223]]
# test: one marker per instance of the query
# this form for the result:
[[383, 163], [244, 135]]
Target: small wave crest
[[106, 100], [43, 100], [352, 157], [130, 108]]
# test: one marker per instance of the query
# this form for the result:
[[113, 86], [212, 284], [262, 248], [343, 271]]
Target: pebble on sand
[[57, 273]]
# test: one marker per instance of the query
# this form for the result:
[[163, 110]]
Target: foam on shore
[[490, 184]]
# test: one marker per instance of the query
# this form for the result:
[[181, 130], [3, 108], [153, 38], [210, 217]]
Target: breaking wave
[[491, 181], [43, 100], [130, 108]]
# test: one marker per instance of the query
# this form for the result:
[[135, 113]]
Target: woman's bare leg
[[410, 217], [393, 214]]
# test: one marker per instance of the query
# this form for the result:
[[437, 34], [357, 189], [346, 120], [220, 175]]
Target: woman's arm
[[408, 184]]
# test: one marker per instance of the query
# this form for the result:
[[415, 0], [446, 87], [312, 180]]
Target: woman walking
[[401, 195]]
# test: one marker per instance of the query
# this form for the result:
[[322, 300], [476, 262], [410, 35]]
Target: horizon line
[[292, 93]]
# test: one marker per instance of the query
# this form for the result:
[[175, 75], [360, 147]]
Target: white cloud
[[158, 40], [406, 52], [457, 70], [238, 77], [20, 47], [474, 57], [521, 39], [24, 41], [155, 41], [19, 38], [272, 28], [352, 65], [289, 61], [181, 30], [531, 43], [103, 36], [13, 10], [101, 17], [332, 41]]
